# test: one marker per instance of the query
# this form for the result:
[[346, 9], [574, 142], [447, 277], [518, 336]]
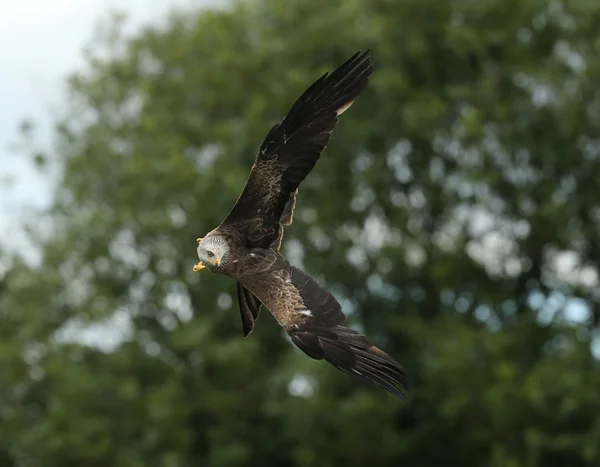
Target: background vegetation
[[455, 215]]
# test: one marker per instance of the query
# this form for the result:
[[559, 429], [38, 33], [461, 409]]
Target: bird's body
[[246, 245]]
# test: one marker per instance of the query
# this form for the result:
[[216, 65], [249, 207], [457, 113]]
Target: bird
[[245, 246]]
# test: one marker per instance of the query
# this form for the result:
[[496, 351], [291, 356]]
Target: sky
[[41, 43]]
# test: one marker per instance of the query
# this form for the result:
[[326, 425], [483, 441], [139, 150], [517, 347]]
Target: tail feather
[[249, 308]]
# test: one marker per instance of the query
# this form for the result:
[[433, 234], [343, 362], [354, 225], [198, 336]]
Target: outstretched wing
[[313, 319], [288, 154], [292, 147]]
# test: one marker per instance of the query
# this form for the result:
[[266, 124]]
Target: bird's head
[[213, 253]]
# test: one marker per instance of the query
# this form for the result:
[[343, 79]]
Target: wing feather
[[287, 155], [314, 320], [287, 216], [292, 147]]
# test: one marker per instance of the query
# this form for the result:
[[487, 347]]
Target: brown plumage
[[246, 244]]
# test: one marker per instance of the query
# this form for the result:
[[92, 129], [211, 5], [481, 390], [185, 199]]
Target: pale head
[[213, 253]]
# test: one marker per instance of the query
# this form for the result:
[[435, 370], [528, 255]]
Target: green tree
[[454, 215]]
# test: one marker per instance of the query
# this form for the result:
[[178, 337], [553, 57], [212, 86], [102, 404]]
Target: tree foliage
[[455, 215]]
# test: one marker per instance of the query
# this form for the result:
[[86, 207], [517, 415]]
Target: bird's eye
[[210, 254]]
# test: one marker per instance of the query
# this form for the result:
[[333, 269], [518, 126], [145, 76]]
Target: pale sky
[[41, 43]]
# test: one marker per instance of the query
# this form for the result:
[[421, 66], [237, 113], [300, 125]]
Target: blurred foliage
[[455, 215]]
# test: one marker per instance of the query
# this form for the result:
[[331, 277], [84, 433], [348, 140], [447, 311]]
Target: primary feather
[[293, 147]]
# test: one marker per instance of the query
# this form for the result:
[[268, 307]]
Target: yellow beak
[[199, 266]]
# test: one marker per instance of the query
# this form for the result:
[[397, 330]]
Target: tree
[[454, 215]]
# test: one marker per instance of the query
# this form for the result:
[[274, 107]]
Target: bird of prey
[[245, 246]]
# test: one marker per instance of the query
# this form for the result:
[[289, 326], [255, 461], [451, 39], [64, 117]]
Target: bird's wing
[[313, 319], [288, 154], [292, 147]]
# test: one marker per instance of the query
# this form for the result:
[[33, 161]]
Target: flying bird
[[246, 245]]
